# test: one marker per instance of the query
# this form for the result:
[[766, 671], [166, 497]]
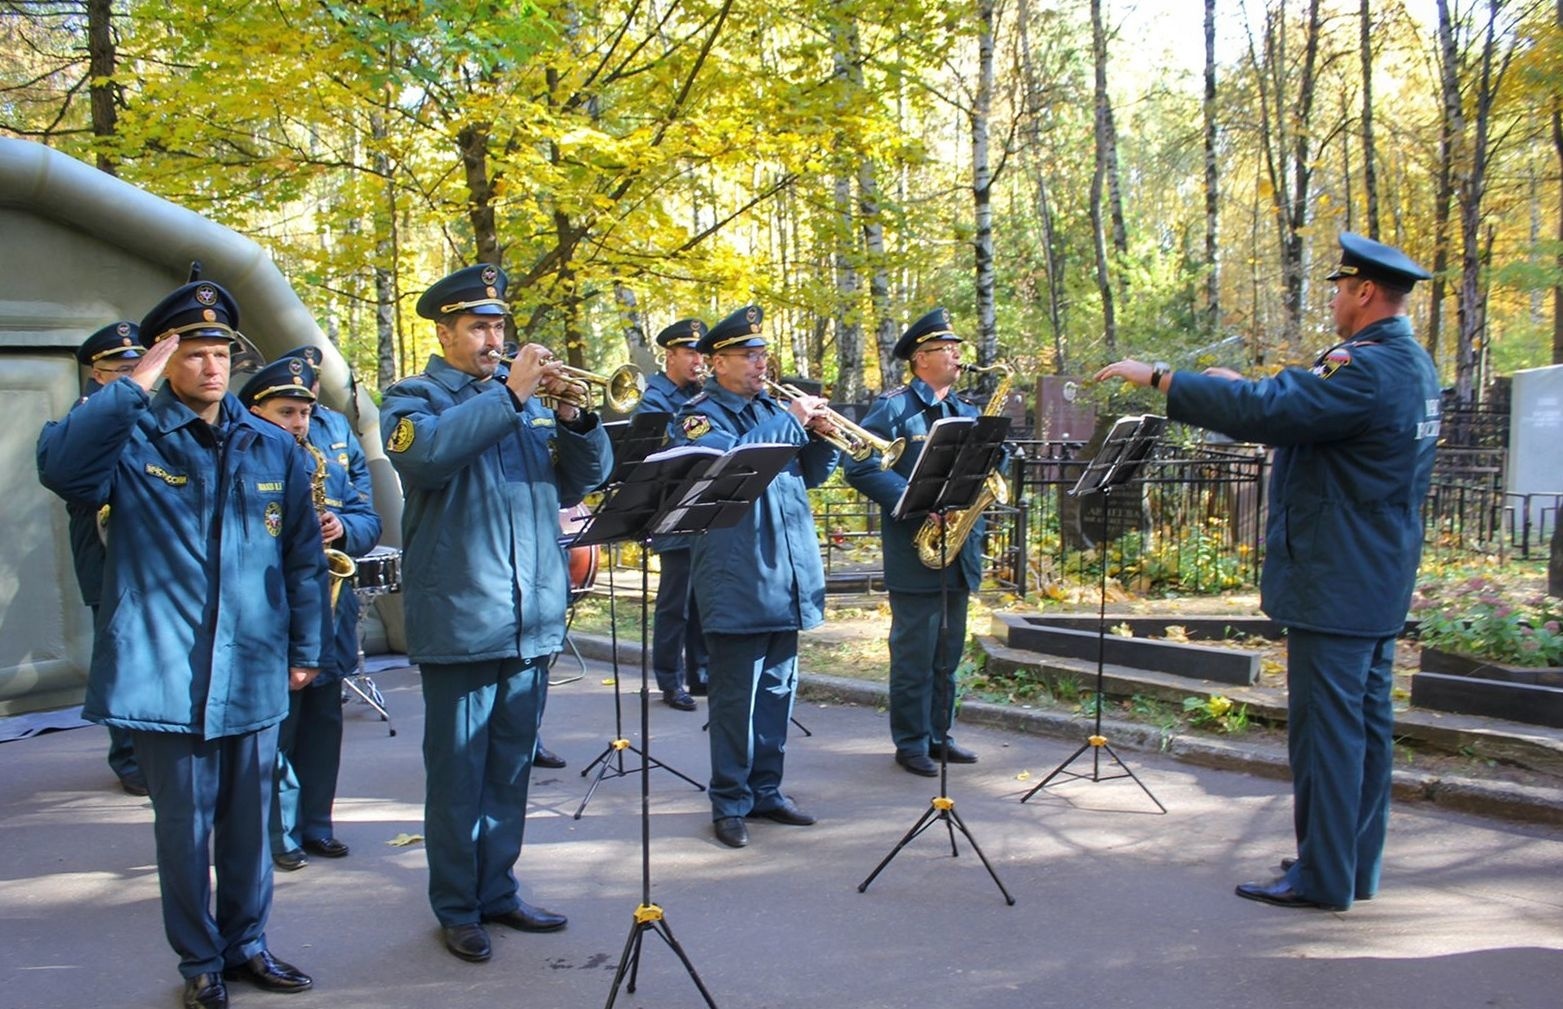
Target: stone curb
[[1501, 799]]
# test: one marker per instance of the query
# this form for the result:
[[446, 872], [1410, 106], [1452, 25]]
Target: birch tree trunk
[[1369, 151], [982, 189], [1104, 284], [1213, 182]]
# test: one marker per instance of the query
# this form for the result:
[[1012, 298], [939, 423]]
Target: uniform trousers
[[122, 753], [1341, 741], [922, 668], [479, 737], [753, 677], [677, 642], [309, 757], [211, 792]]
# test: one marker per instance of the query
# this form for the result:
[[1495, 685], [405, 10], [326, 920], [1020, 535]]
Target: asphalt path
[[1116, 904]]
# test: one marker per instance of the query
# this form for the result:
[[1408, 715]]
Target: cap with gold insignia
[[475, 290], [116, 341], [739, 331], [197, 311], [1375, 261], [683, 333], [933, 326], [309, 354], [289, 377]]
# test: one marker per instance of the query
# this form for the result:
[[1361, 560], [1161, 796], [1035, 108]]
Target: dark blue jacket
[[909, 412], [214, 580], [764, 574], [86, 545], [484, 575], [1354, 441], [662, 396]]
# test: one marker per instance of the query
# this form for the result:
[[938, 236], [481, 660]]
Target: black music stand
[[683, 491], [955, 462], [632, 440], [1127, 445]]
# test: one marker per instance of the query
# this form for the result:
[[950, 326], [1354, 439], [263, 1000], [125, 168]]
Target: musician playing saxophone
[[309, 743], [922, 662]]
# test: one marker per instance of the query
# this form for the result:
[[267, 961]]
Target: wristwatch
[[1159, 370]]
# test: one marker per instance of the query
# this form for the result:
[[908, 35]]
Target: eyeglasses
[[943, 348], [117, 369], [752, 356]]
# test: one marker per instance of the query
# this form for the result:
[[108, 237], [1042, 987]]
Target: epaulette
[[699, 397], [898, 391]]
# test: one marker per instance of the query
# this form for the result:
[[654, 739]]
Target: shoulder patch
[[1333, 360], [696, 425], [401, 438]]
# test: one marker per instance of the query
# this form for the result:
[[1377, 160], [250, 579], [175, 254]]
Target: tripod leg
[[1056, 771], [922, 824], [654, 762], [602, 764], [955, 818], [802, 728], [631, 955], [667, 936], [1136, 778]]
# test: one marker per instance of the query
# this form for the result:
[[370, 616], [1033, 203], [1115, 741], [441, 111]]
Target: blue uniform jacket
[[86, 545], [764, 574], [214, 581], [1354, 442], [484, 573], [350, 495], [662, 396], [909, 412]]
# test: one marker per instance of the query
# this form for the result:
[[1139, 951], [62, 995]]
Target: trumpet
[[621, 389], [857, 442]]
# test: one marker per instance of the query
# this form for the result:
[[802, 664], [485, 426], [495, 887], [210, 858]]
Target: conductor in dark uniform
[[678, 648], [1354, 438], [485, 467], [109, 353], [757, 583], [922, 663], [214, 606]]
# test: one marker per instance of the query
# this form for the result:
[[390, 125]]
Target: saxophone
[[341, 566], [960, 522]]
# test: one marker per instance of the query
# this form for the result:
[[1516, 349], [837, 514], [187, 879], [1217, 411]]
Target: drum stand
[[361, 683]]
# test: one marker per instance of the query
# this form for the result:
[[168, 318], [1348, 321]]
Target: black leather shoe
[[788, 813], [698, 688], [958, 754], [546, 757], [732, 831], [265, 971], [918, 763], [1287, 863], [1280, 894], [134, 784], [205, 991], [327, 847], [470, 942], [678, 698], [290, 861], [526, 918]]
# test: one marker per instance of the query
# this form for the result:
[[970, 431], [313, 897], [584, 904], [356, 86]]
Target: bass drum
[[582, 561]]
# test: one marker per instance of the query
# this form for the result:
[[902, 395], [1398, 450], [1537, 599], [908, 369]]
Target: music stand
[[683, 491], [1127, 445], [632, 440], [955, 462]]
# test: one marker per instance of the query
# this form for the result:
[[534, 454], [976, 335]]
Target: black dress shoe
[[698, 688], [470, 942], [1280, 894], [265, 971], [678, 698], [958, 754], [732, 831], [134, 784], [327, 847], [205, 991], [526, 918], [1287, 863], [788, 813], [290, 861], [546, 757], [918, 763]]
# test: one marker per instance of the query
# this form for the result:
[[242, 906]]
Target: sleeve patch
[[696, 425], [401, 437], [1332, 362]]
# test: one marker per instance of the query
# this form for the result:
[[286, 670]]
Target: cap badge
[[295, 366], [489, 275], [123, 329], [206, 294]]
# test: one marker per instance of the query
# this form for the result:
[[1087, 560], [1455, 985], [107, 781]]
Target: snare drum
[[379, 571]]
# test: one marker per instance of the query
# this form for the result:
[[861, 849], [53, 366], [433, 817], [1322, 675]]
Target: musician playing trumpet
[[922, 663], [485, 467], [758, 583]]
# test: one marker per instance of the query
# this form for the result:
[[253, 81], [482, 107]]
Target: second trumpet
[[621, 389], [857, 442]]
